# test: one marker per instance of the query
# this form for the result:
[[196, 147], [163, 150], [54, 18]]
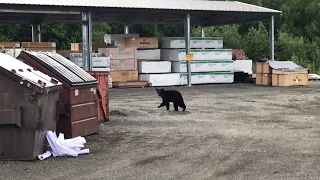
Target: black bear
[[171, 96]]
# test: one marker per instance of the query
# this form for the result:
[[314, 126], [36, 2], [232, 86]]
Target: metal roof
[[192, 5], [202, 12]]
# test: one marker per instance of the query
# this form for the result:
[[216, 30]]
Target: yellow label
[[189, 57]]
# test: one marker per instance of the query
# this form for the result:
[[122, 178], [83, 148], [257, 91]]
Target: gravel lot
[[238, 131]]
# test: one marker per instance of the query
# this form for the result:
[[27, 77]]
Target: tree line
[[297, 33]]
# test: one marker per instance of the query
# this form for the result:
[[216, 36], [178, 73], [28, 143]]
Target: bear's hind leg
[[175, 106]]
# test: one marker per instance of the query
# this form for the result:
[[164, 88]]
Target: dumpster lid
[[67, 71], [71, 66], [26, 73]]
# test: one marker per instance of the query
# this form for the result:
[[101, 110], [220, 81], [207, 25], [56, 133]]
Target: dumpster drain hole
[[29, 70], [14, 71], [20, 70]]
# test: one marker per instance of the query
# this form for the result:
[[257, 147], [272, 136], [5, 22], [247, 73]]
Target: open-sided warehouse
[[187, 12]]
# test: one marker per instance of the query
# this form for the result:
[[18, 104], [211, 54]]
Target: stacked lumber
[[211, 63], [14, 48], [123, 67]]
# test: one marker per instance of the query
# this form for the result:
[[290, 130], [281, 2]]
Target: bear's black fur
[[171, 96]]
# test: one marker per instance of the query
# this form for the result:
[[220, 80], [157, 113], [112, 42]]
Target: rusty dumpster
[[29, 107], [102, 92], [78, 99]]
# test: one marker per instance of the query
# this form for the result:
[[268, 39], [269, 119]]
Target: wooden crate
[[141, 42], [38, 45], [285, 79], [10, 45], [124, 76], [264, 79], [42, 49]]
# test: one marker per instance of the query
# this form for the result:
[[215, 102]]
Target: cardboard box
[[119, 53], [202, 66], [263, 68], [141, 42], [195, 42], [154, 67], [285, 79], [38, 45], [171, 79], [263, 79], [10, 45], [199, 54], [124, 76], [150, 54], [207, 78], [123, 64]]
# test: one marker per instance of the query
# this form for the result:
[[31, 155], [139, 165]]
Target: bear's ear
[[157, 89]]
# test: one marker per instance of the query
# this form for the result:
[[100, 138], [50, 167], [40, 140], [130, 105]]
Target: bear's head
[[160, 92]]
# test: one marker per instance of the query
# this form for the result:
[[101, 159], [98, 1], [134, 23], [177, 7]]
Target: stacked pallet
[[123, 66], [154, 70], [99, 61], [150, 67], [39, 46], [211, 63], [95, 46], [281, 73], [14, 48]]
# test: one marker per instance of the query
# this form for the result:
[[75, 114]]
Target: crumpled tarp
[[64, 147]]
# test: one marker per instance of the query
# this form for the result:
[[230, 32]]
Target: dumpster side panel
[[84, 114], [23, 123], [16, 143], [49, 114]]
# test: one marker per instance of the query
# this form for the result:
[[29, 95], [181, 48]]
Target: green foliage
[[257, 42], [230, 34], [297, 32]]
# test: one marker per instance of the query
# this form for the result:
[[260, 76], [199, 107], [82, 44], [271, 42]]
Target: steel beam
[[187, 40], [36, 32], [126, 29], [38, 11], [86, 41], [271, 37], [202, 31]]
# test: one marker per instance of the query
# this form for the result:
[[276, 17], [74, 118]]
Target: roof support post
[[126, 29], [202, 32], [271, 37], [86, 41], [36, 32], [187, 40]]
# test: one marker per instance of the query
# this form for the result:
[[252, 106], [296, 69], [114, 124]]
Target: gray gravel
[[238, 131]]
